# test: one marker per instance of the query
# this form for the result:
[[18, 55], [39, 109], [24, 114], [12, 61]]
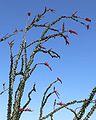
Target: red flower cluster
[[26, 109], [48, 65], [74, 32], [88, 19]]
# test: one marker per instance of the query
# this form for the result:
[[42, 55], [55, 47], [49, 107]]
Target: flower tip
[[74, 32], [88, 19], [59, 80], [48, 65], [60, 103], [29, 13], [87, 27], [67, 42]]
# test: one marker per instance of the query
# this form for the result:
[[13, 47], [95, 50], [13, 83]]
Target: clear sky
[[77, 65]]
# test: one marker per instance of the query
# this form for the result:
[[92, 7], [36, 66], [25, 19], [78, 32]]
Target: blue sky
[[77, 64]]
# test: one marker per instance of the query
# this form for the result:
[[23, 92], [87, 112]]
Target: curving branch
[[72, 112], [29, 98], [45, 97]]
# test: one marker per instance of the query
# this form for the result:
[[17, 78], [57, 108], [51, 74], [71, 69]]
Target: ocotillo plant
[[14, 110]]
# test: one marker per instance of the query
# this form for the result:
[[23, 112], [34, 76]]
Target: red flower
[[28, 109], [88, 19], [74, 32], [60, 103], [48, 65], [21, 109], [54, 56], [29, 13], [87, 27]]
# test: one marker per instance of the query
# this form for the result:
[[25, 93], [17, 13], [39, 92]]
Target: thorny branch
[[45, 96], [86, 104], [27, 66], [29, 98]]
